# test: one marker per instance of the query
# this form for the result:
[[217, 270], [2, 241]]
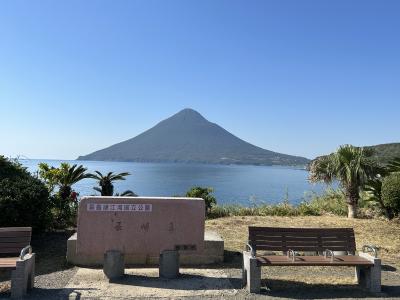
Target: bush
[[11, 169], [391, 192], [205, 193], [24, 201], [330, 202]]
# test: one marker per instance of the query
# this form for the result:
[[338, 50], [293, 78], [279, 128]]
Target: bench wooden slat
[[343, 260], [16, 240], [294, 238], [287, 229], [302, 249], [13, 245], [302, 242], [15, 229], [8, 262], [13, 239], [302, 239]]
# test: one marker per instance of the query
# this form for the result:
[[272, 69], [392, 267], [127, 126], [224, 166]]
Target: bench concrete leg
[[369, 277], [169, 264], [23, 277], [114, 264], [251, 273]]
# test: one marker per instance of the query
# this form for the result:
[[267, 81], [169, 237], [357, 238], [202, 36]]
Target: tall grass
[[330, 202]]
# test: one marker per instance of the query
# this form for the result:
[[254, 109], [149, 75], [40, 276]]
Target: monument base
[[213, 253]]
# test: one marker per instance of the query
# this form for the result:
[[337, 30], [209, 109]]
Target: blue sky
[[298, 77]]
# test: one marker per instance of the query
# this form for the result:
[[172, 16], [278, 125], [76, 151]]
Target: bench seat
[[342, 260], [331, 245], [16, 256], [8, 262]]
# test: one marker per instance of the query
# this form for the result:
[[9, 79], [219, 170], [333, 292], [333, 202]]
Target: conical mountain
[[188, 137]]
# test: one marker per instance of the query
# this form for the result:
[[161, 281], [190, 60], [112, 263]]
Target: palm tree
[[127, 193], [106, 181], [68, 176], [351, 166]]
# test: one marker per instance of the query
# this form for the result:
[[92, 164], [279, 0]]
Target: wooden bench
[[16, 255], [308, 247]]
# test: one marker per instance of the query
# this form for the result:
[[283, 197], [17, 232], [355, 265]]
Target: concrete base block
[[369, 277], [169, 264], [23, 277], [251, 273], [213, 253], [114, 265]]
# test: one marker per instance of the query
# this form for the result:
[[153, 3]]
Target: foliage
[[394, 165], [11, 168], [65, 200], [106, 182], [64, 177], [204, 193], [127, 193], [391, 193], [332, 202], [351, 166], [385, 152], [64, 211], [24, 199], [373, 196]]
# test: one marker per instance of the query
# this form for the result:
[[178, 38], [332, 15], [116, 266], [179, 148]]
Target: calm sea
[[232, 184]]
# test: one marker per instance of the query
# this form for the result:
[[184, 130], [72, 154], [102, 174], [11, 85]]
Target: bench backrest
[[14, 239], [302, 239]]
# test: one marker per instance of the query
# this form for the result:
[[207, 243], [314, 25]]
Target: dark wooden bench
[[308, 247], [16, 255]]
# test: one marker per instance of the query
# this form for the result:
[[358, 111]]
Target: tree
[[64, 177], [127, 193], [351, 166], [106, 182], [205, 194], [12, 168], [65, 200], [373, 190], [391, 193], [24, 199]]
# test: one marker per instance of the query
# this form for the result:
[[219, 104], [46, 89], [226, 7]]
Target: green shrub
[[11, 169], [206, 194], [330, 202], [391, 192], [24, 201]]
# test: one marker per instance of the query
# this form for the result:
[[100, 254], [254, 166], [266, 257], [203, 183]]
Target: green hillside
[[384, 152]]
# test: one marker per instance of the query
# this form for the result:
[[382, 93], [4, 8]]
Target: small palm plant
[[68, 176], [106, 182], [127, 193], [351, 166]]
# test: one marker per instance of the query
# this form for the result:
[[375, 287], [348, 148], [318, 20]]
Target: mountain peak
[[188, 114], [188, 137]]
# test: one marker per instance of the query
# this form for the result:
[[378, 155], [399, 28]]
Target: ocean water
[[232, 184]]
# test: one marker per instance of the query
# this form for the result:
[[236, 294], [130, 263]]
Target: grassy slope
[[385, 152], [382, 233]]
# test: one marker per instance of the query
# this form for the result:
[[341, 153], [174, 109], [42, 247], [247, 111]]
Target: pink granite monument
[[139, 227]]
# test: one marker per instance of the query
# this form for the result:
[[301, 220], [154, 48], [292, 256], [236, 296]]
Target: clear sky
[[298, 77]]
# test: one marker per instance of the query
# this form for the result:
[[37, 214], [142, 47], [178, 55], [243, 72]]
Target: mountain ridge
[[189, 137]]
